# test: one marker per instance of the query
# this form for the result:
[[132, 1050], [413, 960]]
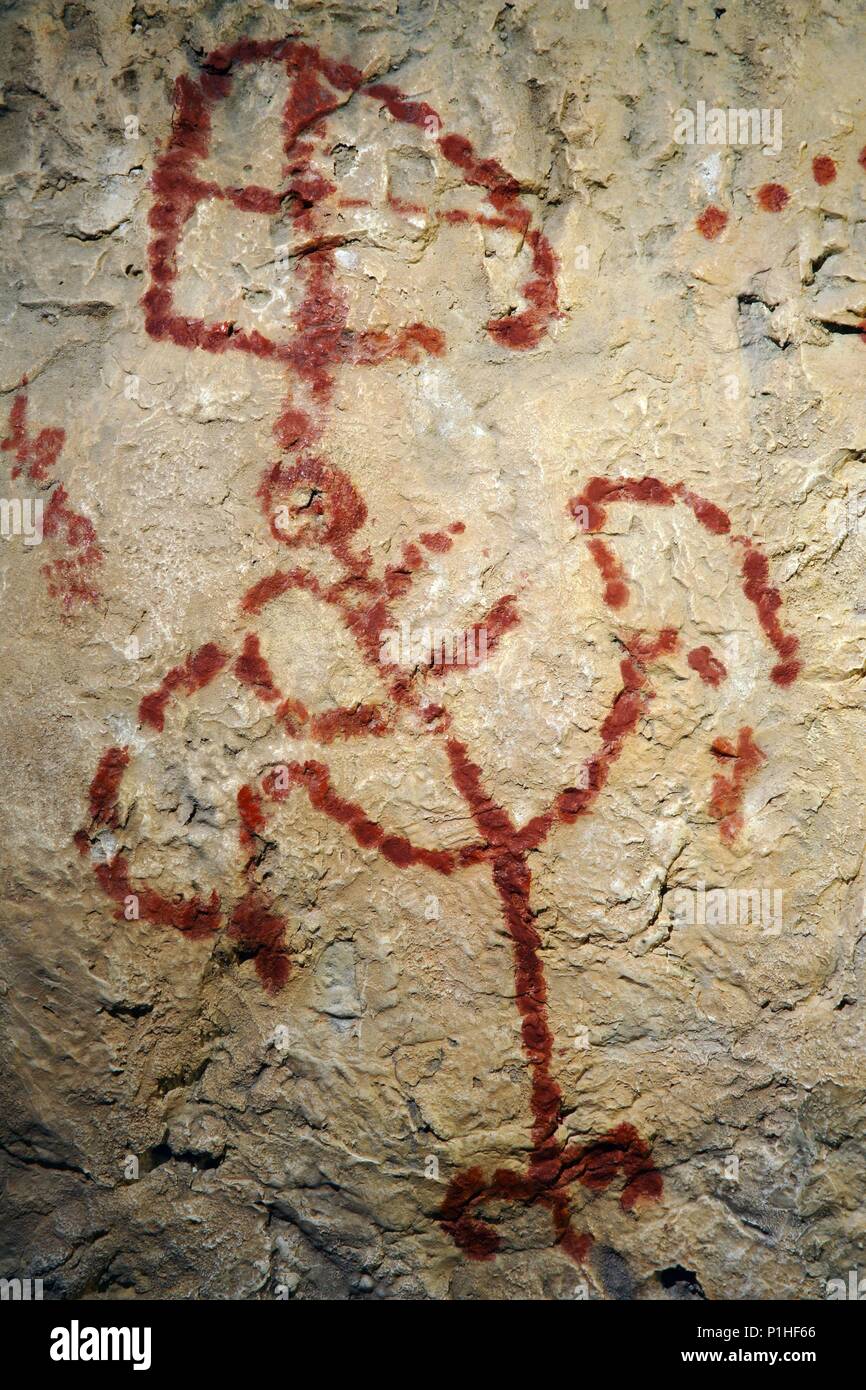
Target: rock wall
[[433, 468]]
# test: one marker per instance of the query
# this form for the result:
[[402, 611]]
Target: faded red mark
[[823, 169], [772, 197], [252, 816], [69, 577], [712, 222], [711, 670], [726, 799], [437, 541], [105, 787], [861, 158], [358, 721]]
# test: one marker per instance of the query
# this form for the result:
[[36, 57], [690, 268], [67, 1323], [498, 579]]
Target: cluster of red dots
[[771, 197]]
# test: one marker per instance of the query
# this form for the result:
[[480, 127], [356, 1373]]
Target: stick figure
[[315, 509]]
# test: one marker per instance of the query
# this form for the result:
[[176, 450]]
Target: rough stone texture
[[299, 1137]]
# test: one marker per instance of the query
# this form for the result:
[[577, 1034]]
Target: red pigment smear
[[709, 668], [251, 669], [405, 209], [772, 197], [252, 815], [615, 587], [193, 917], [727, 794], [861, 158], [823, 169], [260, 932], [768, 601], [621, 1150], [105, 787], [329, 517], [198, 670], [69, 576], [259, 595], [712, 222], [34, 457], [437, 541], [360, 720], [501, 618], [590, 505], [711, 517], [292, 715], [595, 1166]]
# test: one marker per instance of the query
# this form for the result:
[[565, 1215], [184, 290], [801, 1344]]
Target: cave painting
[[314, 508]]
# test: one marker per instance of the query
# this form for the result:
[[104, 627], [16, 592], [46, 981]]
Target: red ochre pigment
[[772, 197], [709, 668], [362, 601], [712, 222], [602, 492], [320, 339], [329, 515], [196, 672], [823, 169], [727, 794]]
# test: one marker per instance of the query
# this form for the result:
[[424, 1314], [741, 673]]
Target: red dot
[[712, 222], [861, 158], [773, 197], [823, 169], [862, 326]]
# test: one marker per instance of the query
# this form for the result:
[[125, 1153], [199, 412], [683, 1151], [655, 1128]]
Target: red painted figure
[[315, 510]]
